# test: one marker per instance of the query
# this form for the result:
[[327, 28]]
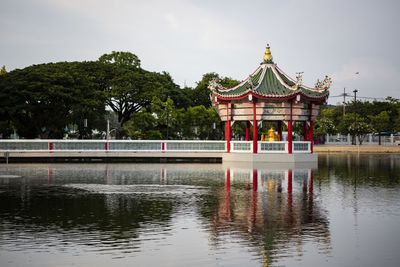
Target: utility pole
[[344, 101], [355, 117]]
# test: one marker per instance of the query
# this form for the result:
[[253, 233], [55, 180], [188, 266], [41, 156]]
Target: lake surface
[[345, 212]]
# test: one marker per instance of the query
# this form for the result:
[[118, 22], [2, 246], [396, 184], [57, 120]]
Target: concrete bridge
[[153, 151]]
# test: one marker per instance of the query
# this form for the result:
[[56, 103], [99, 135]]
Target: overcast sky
[[189, 38]]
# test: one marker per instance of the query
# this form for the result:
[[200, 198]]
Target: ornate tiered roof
[[270, 82]]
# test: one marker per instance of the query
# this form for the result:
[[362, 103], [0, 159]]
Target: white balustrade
[[194, 146], [241, 146], [151, 146], [272, 147], [301, 147]]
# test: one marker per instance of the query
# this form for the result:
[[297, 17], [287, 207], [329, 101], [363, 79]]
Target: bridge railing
[[113, 145], [151, 146]]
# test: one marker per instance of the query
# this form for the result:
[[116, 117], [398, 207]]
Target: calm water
[[346, 212]]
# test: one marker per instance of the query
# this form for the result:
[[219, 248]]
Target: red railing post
[[290, 139], [310, 136]]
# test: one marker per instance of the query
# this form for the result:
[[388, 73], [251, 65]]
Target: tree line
[[360, 118]]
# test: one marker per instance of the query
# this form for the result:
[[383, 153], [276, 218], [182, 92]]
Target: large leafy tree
[[41, 100], [6, 127], [131, 88], [125, 86], [91, 79]]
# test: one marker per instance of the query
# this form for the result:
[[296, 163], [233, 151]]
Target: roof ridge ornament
[[214, 84], [251, 82], [268, 55], [299, 79], [324, 84]]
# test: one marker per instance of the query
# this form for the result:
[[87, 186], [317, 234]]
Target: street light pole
[[108, 130], [355, 117], [344, 101]]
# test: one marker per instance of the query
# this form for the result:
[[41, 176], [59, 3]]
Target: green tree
[[41, 100], [200, 95], [125, 85], [167, 117], [346, 126], [381, 123], [142, 125], [324, 126], [3, 70], [200, 123], [131, 88], [396, 121]]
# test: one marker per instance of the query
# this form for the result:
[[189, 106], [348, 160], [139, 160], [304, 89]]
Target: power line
[[364, 97]]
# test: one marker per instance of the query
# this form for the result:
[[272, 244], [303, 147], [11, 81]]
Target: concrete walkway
[[356, 149]]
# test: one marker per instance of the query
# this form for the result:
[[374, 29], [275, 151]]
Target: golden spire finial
[[268, 55]]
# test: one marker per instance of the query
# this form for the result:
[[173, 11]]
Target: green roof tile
[[270, 84]]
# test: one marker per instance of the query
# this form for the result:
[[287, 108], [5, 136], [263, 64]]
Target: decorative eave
[[270, 82]]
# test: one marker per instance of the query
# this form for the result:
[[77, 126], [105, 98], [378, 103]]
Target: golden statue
[[271, 135]]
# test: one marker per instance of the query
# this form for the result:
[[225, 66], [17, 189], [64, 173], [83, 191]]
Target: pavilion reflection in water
[[275, 212]]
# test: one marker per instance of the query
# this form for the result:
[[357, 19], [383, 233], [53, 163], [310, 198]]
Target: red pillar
[[255, 135], [289, 182], [289, 219], [162, 176], [228, 135], [255, 199], [310, 191], [228, 180], [305, 134], [228, 195], [280, 130], [290, 141], [247, 131], [49, 176], [255, 180], [310, 136]]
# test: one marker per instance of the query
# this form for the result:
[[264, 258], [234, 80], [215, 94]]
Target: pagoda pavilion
[[268, 94]]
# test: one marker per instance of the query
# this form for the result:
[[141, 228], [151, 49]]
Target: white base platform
[[269, 158]]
